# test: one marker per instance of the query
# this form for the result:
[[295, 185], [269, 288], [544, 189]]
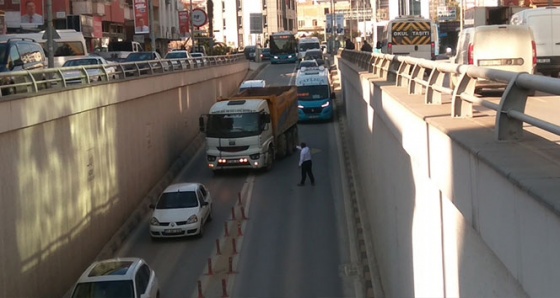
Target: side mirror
[[266, 118], [378, 45], [201, 124], [204, 204], [333, 95]]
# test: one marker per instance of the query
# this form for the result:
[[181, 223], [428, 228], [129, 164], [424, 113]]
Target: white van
[[307, 43], [544, 22], [412, 36], [70, 45], [504, 47]]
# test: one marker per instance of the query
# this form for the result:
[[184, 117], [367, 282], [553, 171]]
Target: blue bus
[[283, 48]]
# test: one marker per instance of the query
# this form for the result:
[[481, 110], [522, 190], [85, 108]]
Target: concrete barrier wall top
[[453, 211]]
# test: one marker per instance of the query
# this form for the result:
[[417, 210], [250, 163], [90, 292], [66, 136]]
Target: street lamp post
[[191, 24], [152, 33]]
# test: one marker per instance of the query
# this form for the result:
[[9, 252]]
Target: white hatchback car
[[182, 210], [120, 277]]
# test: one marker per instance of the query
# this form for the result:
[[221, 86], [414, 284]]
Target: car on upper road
[[250, 52], [251, 84], [200, 58], [143, 62], [119, 277], [94, 69], [307, 63], [315, 54], [176, 55], [182, 210], [265, 54]]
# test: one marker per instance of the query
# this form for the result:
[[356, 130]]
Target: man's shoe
[[300, 184]]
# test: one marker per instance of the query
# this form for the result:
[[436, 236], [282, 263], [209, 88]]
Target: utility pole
[[50, 37], [191, 24], [152, 33]]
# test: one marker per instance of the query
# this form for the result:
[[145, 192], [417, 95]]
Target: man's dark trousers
[[306, 171]]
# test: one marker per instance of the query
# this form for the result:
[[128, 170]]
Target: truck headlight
[[210, 157], [255, 156], [300, 107], [154, 221], [326, 104]]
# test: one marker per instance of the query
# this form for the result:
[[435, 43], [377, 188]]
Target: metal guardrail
[[426, 77], [21, 82]]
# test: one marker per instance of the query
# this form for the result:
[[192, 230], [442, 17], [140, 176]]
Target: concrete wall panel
[[76, 164]]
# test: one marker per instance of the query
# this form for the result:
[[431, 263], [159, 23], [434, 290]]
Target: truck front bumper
[[253, 161]]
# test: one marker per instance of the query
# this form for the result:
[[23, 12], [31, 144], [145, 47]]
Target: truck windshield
[[233, 125], [313, 92]]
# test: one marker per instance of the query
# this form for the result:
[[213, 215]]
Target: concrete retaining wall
[[75, 164], [452, 212]]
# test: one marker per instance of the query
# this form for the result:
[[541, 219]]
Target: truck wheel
[[554, 74], [281, 146], [290, 146], [270, 159]]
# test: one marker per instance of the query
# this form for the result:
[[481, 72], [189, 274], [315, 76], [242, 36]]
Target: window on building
[[301, 23], [314, 22]]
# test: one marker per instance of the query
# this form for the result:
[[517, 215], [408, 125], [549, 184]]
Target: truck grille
[[233, 148]]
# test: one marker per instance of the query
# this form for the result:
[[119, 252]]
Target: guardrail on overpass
[[76, 162], [460, 201]]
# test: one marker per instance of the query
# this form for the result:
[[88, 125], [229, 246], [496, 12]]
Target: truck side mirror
[[266, 118], [201, 124]]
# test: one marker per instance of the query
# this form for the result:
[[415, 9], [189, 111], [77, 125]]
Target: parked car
[[18, 54], [176, 55], [144, 61], [265, 54], [200, 58], [182, 210], [95, 74], [120, 277]]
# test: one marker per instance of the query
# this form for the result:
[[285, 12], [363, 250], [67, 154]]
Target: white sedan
[[182, 210], [93, 66]]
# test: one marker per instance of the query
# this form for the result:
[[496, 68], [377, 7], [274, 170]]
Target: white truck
[[251, 129]]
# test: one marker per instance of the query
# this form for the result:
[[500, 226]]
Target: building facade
[[233, 26], [100, 21]]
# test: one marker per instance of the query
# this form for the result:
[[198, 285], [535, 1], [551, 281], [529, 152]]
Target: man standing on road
[[305, 164]]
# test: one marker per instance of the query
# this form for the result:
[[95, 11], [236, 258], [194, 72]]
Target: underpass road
[[294, 233], [295, 242]]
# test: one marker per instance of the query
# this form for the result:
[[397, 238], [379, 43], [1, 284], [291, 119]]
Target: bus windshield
[[282, 44]]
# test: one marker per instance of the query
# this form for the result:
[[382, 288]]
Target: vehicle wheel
[[201, 230], [270, 159], [281, 146], [295, 136], [290, 145], [554, 74], [210, 214], [157, 295]]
